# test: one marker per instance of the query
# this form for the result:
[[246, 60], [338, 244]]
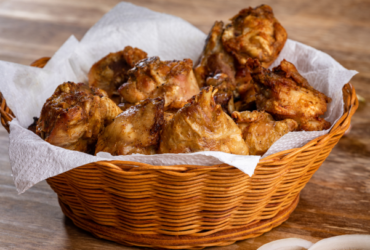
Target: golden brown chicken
[[255, 33], [202, 125], [135, 131], [125, 106], [284, 93], [224, 95], [151, 78], [247, 99], [74, 115], [260, 130], [110, 72], [245, 92], [214, 58], [168, 117]]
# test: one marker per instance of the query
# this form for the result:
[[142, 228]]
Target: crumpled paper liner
[[27, 88]]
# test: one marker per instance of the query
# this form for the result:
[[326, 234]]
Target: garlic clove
[[287, 244], [344, 242]]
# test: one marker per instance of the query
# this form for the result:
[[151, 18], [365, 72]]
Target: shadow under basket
[[188, 206]]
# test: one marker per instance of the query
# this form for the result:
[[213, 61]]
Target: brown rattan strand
[[188, 206], [222, 238]]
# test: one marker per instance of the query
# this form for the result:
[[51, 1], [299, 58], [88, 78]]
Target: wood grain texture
[[336, 200]]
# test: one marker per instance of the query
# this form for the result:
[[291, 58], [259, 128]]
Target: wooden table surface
[[336, 201]]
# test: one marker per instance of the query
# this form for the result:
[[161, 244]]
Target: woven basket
[[189, 207]]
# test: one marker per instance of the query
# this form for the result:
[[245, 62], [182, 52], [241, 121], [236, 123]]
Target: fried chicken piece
[[74, 115], [110, 72], [125, 106], [255, 33], [245, 92], [135, 131], [314, 124], [168, 117], [153, 78], [260, 130], [224, 95], [202, 125], [284, 93], [247, 98], [214, 58]]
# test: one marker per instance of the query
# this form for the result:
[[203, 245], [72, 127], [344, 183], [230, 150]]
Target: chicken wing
[[260, 130], [153, 78], [202, 125], [284, 93], [136, 130], [74, 115], [255, 33], [110, 72], [214, 58]]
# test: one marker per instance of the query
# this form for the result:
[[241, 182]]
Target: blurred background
[[30, 29], [335, 201]]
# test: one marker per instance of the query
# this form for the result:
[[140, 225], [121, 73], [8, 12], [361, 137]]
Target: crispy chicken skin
[[284, 93], [153, 78], [214, 59], [110, 72], [135, 131], [202, 125], [74, 115], [255, 33], [260, 130], [224, 95], [245, 91], [168, 117]]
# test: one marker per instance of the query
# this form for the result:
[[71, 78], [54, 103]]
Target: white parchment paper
[[27, 88]]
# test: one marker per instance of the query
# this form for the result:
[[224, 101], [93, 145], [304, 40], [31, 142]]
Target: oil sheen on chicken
[[135, 130], [214, 58], [255, 33], [284, 94], [151, 78], [74, 115], [224, 95], [110, 72], [260, 130], [202, 125]]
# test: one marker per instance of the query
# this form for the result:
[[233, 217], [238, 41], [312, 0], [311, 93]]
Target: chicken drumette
[[135, 130], [202, 125], [284, 93], [255, 33], [110, 72], [151, 78], [260, 130], [74, 115]]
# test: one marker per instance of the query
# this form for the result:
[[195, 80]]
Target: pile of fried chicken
[[229, 101]]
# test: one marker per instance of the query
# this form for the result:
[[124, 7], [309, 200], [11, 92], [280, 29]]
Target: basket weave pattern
[[188, 206]]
